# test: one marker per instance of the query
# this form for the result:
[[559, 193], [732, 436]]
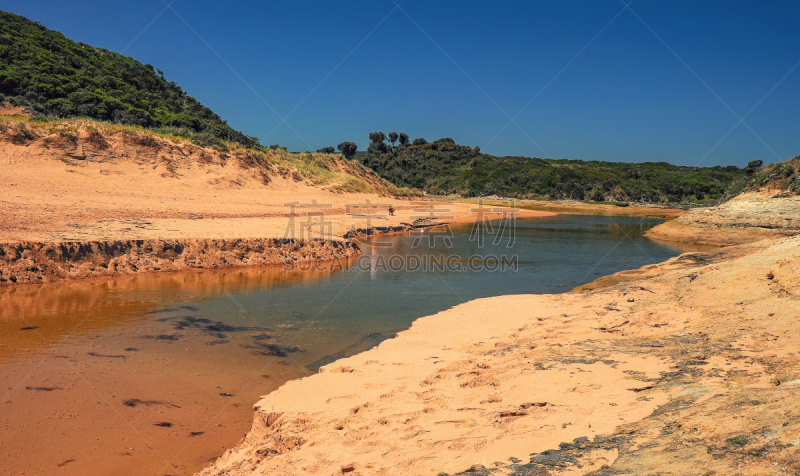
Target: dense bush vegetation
[[444, 167], [782, 178], [53, 75]]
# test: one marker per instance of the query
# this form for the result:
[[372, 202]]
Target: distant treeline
[[43, 70], [444, 167]]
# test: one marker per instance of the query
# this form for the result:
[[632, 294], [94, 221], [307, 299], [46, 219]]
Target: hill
[[81, 179], [52, 75], [765, 203], [779, 180], [444, 167]]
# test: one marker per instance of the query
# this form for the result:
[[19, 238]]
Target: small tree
[[419, 141], [393, 137], [403, 138], [348, 149], [327, 150], [753, 167], [376, 144], [377, 137]]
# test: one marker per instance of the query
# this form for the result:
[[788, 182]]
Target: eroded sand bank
[[694, 365], [76, 202], [749, 217]]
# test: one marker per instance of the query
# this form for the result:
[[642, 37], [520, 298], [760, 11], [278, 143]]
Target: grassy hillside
[[781, 179], [444, 167], [53, 75], [92, 140]]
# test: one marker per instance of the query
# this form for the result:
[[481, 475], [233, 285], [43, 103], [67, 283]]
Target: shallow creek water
[[157, 374]]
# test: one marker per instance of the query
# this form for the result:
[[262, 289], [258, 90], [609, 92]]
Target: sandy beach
[[637, 373], [639, 377]]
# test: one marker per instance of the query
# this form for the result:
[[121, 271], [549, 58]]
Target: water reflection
[[41, 315]]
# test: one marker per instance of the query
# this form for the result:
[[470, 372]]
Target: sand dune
[[137, 185]]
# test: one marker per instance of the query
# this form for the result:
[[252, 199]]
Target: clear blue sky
[[460, 68]]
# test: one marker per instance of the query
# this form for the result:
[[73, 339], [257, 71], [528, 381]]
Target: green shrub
[[794, 185]]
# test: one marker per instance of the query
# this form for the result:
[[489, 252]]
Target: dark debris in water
[[132, 402], [28, 328], [110, 356], [162, 337], [207, 325], [190, 322], [43, 389], [161, 311], [164, 424], [222, 327], [264, 348]]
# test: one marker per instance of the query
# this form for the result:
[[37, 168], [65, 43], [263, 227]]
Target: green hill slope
[[53, 75], [444, 167]]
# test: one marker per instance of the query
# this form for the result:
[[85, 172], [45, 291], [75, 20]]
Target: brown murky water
[[109, 377], [157, 374]]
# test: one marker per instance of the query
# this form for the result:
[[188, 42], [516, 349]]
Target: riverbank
[[34, 263], [749, 217], [81, 199], [646, 374], [31, 262], [577, 207]]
